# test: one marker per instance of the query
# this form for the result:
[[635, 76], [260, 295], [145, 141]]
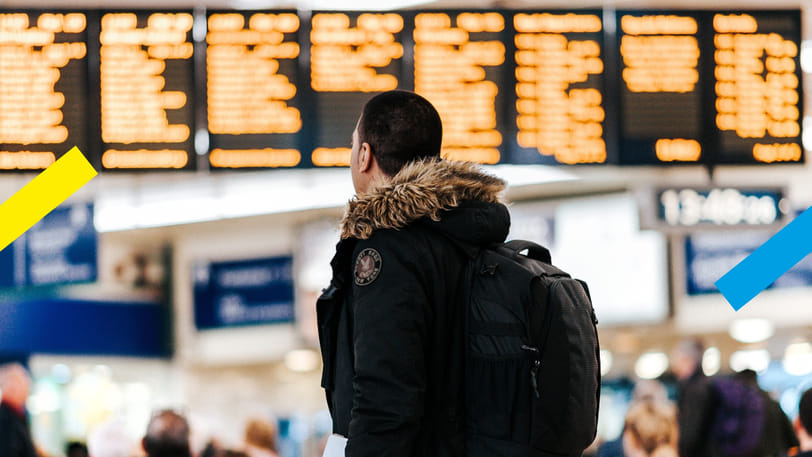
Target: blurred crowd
[[167, 434], [722, 416]]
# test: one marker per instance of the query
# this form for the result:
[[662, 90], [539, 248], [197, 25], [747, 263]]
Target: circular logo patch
[[367, 267]]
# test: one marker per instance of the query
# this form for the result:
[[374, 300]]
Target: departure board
[[43, 87], [147, 90], [251, 89], [661, 112], [238, 89], [559, 108], [757, 91], [353, 57], [459, 66]]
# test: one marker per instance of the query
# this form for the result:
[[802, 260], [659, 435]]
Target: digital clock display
[[724, 207]]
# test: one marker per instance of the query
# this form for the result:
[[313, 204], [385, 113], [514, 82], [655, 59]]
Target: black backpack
[[739, 421], [532, 356]]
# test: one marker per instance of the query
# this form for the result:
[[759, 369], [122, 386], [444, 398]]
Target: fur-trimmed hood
[[428, 190]]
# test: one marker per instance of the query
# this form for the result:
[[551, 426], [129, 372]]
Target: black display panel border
[[192, 95], [86, 145], [713, 154], [637, 148], [300, 101], [715, 133], [518, 155]]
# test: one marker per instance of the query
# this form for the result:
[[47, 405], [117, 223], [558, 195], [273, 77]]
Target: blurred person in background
[[644, 391], [15, 436], [260, 438], [803, 424], [777, 436], [76, 449], [650, 430], [696, 402], [110, 439], [391, 322], [167, 435]]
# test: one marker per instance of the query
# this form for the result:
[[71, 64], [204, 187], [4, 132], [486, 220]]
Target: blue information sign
[[244, 292], [709, 255], [60, 249]]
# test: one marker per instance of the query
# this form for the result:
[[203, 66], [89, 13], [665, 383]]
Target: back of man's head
[[15, 384], [167, 435], [400, 127], [748, 376], [687, 357]]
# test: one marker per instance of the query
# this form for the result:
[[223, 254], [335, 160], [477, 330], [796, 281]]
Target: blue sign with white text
[[62, 248], [709, 255], [244, 292]]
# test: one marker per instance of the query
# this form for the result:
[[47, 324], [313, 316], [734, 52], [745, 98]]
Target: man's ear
[[365, 158]]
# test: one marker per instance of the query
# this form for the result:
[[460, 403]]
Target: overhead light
[[651, 365], [751, 330], [61, 373], [711, 361], [757, 360], [806, 56], [606, 361], [302, 360], [190, 199], [523, 175], [798, 359], [44, 398]]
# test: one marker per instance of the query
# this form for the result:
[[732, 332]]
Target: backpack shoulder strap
[[534, 251]]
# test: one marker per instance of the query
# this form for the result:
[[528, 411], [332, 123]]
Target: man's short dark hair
[[400, 127], [805, 410], [167, 435]]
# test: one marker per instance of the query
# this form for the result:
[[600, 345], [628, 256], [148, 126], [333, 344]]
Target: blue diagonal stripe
[[767, 263]]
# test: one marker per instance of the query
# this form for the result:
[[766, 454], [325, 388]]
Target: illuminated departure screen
[[757, 90], [559, 88], [459, 65], [43, 87], [661, 111], [147, 90], [353, 57], [251, 91]]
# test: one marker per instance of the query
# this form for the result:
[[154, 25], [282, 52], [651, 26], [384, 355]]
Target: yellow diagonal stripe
[[44, 193]]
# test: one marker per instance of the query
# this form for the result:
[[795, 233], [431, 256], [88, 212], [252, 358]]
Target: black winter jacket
[[15, 440], [697, 405], [391, 322]]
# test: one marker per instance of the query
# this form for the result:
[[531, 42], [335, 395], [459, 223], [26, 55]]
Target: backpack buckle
[[489, 270]]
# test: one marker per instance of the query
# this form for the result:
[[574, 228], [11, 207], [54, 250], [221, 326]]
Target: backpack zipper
[[534, 369]]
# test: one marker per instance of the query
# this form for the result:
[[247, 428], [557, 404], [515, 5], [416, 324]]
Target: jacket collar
[[421, 189]]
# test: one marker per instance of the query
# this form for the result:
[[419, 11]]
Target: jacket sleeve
[[695, 417], [390, 332]]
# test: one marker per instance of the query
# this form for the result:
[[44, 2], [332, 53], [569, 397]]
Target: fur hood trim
[[421, 189]]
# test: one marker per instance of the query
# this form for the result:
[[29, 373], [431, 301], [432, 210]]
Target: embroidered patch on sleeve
[[367, 267]]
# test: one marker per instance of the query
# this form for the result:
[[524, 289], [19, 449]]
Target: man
[[696, 402], [391, 322], [167, 435], [803, 424], [777, 436], [15, 438]]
